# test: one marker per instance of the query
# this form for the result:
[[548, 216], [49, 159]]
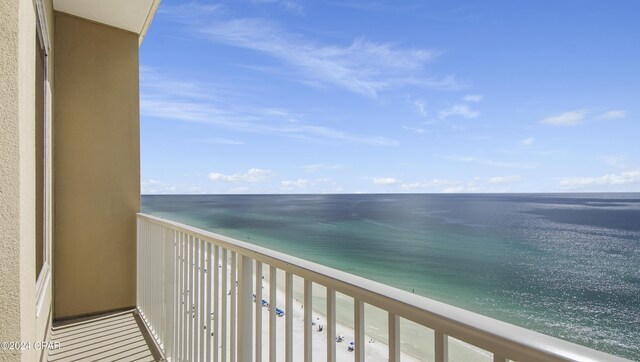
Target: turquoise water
[[567, 265]]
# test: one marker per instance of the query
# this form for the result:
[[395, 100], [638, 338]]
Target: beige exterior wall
[[97, 167], [10, 316], [24, 313]]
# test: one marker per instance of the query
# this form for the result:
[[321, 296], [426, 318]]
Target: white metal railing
[[185, 307]]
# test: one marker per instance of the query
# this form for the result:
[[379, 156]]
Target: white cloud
[[441, 185], [252, 175], [501, 180], [490, 162], [152, 186], [301, 182], [290, 5], [421, 106], [151, 81], [624, 178], [616, 114], [385, 180], [470, 187], [363, 66], [187, 10], [528, 141], [192, 103], [616, 161], [461, 110], [454, 190], [430, 184], [571, 118], [321, 167], [340, 135], [241, 190], [318, 185], [415, 129], [222, 141], [472, 98]]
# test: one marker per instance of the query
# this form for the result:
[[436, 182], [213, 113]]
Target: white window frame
[[44, 275]]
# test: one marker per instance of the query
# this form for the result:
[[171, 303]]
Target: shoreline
[[414, 336], [416, 341], [376, 350]]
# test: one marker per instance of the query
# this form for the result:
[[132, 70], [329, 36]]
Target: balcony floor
[[118, 336]]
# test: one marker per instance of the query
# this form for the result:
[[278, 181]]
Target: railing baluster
[[181, 297], [159, 271], [156, 291], [258, 300], [331, 325], [191, 314], [175, 332], [358, 326], [216, 301], [308, 316], [141, 268], [288, 356], [153, 278], [441, 346], [273, 282], [143, 265], [140, 251], [394, 338], [208, 316], [203, 310], [234, 306], [158, 266], [168, 287], [245, 310], [147, 307], [140, 265], [223, 313], [145, 272], [149, 280], [185, 296], [197, 276], [178, 296], [195, 292], [158, 287]]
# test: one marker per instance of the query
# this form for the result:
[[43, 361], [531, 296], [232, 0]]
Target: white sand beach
[[416, 341], [375, 350]]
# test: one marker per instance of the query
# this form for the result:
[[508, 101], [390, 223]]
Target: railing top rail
[[490, 334]]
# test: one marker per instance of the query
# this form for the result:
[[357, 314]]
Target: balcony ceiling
[[132, 15]]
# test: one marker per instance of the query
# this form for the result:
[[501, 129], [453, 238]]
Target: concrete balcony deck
[[118, 336]]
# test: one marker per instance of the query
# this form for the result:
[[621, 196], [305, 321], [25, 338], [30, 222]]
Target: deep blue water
[[567, 265]]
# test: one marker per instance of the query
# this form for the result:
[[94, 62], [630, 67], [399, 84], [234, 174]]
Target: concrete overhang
[[131, 15]]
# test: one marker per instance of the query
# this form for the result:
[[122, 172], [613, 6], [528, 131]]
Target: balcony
[[113, 336], [209, 297]]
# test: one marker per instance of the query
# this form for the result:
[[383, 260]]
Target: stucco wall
[[18, 321], [97, 167], [9, 177]]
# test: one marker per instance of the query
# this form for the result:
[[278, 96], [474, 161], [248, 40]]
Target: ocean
[[567, 265]]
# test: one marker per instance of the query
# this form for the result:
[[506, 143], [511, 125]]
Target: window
[[41, 148]]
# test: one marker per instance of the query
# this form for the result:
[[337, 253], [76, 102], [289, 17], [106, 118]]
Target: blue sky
[[329, 96]]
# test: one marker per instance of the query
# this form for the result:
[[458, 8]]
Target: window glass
[[40, 126]]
